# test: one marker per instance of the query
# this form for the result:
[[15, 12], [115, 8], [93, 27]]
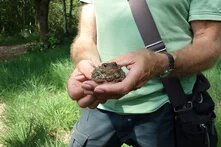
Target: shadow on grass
[[14, 73]]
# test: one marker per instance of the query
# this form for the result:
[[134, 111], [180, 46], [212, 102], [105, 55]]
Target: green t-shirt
[[117, 34]]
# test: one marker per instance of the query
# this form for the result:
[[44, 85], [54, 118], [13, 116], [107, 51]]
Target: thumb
[[86, 68], [123, 60]]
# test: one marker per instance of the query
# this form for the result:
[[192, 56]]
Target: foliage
[[6, 40], [56, 18], [18, 22], [53, 40], [18, 39], [16, 16]]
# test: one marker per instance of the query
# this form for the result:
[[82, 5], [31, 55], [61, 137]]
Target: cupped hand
[[76, 91], [142, 65]]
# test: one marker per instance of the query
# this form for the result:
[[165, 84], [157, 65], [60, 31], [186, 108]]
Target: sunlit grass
[[38, 111], [37, 115]]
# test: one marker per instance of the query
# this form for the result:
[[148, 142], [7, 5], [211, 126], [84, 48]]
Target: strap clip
[[186, 107]]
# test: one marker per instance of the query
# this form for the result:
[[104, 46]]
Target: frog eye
[[114, 63], [104, 64]]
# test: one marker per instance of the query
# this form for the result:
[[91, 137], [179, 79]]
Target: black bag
[[193, 114], [194, 122]]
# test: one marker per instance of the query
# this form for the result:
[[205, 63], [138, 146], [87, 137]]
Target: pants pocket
[[78, 139]]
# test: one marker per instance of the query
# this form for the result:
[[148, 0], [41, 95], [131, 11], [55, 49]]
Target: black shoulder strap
[[146, 25], [153, 41]]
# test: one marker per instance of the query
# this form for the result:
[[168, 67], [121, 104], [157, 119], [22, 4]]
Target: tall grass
[[33, 87], [214, 76], [39, 112]]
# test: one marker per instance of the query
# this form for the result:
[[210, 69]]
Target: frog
[[108, 72]]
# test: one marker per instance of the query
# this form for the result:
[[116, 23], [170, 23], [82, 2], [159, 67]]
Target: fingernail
[[86, 86], [99, 90], [79, 77], [88, 92]]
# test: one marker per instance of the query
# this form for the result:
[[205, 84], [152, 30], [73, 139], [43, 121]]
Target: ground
[[13, 50], [5, 53]]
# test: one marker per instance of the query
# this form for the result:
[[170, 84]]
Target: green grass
[[33, 87], [214, 76], [39, 112]]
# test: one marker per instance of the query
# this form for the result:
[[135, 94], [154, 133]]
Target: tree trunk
[[70, 16], [65, 18], [42, 9]]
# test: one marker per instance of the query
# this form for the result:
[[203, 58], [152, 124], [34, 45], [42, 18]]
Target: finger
[[121, 60], [94, 104], [86, 101], [123, 87], [86, 67], [102, 101], [80, 77], [88, 92], [74, 89], [110, 89], [74, 85], [89, 84], [88, 72], [105, 96], [88, 87]]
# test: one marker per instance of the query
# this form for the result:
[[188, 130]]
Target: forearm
[[202, 53], [84, 45], [199, 56], [84, 49]]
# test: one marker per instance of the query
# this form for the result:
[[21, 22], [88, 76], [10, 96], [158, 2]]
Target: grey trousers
[[99, 128]]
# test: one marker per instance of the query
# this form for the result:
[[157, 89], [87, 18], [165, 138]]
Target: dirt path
[[13, 50]]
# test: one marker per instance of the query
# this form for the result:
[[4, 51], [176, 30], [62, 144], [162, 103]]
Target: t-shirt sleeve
[[87, 1], [205, 10]]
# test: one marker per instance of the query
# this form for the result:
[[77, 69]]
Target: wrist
[[90, 59], [169, 64]]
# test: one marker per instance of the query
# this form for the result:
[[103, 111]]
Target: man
[[136, 111]]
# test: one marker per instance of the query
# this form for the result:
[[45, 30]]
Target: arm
[[84, 46], [85, 56], [200, 55], [204, 50]]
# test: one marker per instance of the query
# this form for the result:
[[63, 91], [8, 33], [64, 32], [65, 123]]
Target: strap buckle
[[156, 46], [186, 107]]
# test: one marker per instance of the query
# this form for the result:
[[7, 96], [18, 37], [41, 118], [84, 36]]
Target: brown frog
[[108, 72]]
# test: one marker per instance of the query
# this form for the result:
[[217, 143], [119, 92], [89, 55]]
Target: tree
[[42, 9], [29, 20], [70, 15], [16, 16], [65, 17]]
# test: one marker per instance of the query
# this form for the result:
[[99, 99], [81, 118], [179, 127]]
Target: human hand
[[142, 65], [81, 73]]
